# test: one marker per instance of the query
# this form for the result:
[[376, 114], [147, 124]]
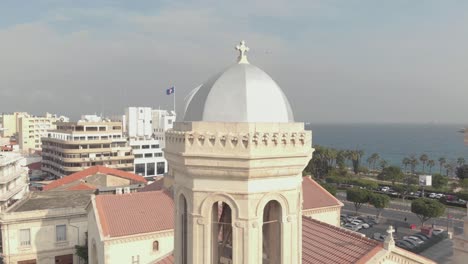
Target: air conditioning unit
[[126, 190], [118, 191]]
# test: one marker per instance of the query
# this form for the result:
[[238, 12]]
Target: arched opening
[[271, 242], [155, 245], [183, 229], [221, 233]]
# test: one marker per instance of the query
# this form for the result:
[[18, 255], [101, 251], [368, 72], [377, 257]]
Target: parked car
[[385, 189], [404, 244], [437, 231], [413, 238], [361, 223], [412, 242], [421, 236], [352, 227]]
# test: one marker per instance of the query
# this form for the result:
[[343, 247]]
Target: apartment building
[[28, 129], [145, 131], [75, 146], [13, 178]]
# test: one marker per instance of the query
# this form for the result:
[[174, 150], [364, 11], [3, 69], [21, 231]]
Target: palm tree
[[375, 157], [370, 160], [355, 157], [406, 161], [430, 164], [383, 164], [460, 161], [413, 162], [442, 161], [423, 158], [449, 169]]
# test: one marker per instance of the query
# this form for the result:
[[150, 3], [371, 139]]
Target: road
[[396, 214]]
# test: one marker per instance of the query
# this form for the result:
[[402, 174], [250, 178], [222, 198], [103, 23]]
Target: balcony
[[10, 193], [11, 176]]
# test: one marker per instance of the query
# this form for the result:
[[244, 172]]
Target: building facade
[[14, 179], [44, 228], [149, 157], [9, 123], [75, 146]]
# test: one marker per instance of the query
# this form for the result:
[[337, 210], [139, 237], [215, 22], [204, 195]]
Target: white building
[[13, 178], [149, 158], [145, 131], [139, 122]]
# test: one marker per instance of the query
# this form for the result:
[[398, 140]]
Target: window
[[136, 259], [148, 155], [140, 169], [138, 156], [145, 146], [154, 146], [160, 168], [158, 154], [136, 147], [271, 234], [61, 233], [156, 245], [150, 169], [221, 233], [25, 237], [169, 121]]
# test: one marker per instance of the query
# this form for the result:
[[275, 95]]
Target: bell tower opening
[[221, 233], [183, 222], [271, 244]]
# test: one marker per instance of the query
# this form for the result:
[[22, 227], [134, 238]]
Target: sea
[[393, 142]]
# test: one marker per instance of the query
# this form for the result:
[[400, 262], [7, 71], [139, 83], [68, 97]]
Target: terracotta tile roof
[[324, 243], [92, 171], [157, 185], [81, 186], [135, 213], [315, 196], [166, 260]]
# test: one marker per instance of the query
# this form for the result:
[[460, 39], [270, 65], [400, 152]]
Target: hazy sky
[[337, 61]]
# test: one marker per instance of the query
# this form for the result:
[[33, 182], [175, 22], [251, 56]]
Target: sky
[[348, 61]]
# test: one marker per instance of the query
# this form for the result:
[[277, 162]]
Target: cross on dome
[[390, 230], [243, 49]]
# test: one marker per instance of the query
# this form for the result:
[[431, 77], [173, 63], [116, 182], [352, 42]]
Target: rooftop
[[324, 243], [315, 196], [92, 171], [135, 213], [52, 200]]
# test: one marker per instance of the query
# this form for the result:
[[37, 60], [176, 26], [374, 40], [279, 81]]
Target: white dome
[[242, 93]]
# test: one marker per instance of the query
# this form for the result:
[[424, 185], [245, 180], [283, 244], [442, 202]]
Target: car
[[352, 227], [404, 244], [413, 238], [432, 195], [421, 236], [350, 218], [437, 231], [412, 242], [385, 189]]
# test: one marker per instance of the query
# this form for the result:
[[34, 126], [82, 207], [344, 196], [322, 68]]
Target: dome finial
[[243, 49]]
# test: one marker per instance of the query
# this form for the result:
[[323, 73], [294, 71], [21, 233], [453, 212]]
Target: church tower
[[235, 164]]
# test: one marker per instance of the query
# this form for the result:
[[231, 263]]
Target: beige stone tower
[[235, 163]]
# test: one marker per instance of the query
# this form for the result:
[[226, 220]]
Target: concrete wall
[[329, 215], [95, 245]]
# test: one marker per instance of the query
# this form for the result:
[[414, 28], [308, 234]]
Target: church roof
[[92, 171], [324, 243], [241, 93], [135, 213], [315, 196]]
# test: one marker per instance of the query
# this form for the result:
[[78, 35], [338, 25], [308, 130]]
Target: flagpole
[[174, 100]]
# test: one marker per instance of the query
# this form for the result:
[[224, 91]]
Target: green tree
[[372, 160], [379, 201], [430, 164], [426, 209], [405, 189], [355, 157], [448, 169], [462, 172], [392, 173], [442, 161], [358, 197], [423, 158], [413, 163], [439, 181], [406, 162], [319, 164], [460, 161], [383, 164]]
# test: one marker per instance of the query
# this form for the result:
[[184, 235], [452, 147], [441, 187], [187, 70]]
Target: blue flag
[[170, 90]]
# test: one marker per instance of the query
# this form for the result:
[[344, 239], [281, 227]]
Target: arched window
[[155, 245], [183, 230], [272, 233], [221, 233]]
